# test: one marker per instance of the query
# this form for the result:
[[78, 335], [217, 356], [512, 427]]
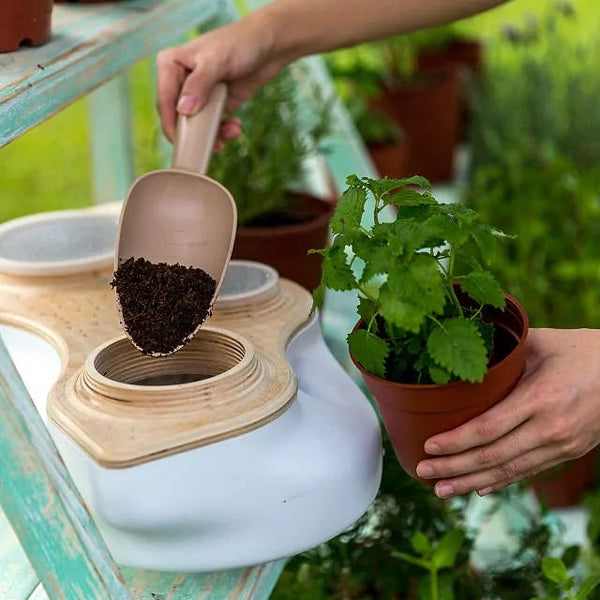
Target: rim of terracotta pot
[[320, 219], [433, 386]]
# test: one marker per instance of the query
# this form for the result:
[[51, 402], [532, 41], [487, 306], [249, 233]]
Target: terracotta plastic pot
[[565, 484], [467, 54], [467, 57], [413, 413], [285, 247], [24, 23], [428, 111], [391, 159]]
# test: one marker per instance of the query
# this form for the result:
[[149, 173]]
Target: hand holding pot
[[552, 416]]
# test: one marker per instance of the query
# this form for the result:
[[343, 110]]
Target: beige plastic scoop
[[179, 215]]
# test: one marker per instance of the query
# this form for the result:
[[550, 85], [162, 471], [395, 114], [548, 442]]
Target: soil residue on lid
[[162, 304]]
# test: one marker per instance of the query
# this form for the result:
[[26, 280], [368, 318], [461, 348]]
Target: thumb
[[196, 89]]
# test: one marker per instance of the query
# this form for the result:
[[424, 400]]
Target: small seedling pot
[[24, 23], [413, 413], [428, 111], [284, 246]]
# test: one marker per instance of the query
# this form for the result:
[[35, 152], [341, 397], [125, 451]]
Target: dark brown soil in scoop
[[162, 304]]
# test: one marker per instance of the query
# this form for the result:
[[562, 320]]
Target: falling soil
[[162, 304]]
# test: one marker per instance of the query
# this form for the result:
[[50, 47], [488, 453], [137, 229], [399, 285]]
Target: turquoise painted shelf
[[90, 44], [49, 546]]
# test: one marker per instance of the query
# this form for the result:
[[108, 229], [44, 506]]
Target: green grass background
[[49, 167]]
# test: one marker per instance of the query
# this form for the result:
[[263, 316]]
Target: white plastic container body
[[270, 493]]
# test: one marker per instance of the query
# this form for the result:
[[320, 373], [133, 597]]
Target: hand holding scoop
[[175, 239]]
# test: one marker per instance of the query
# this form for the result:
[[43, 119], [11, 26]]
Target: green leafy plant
[[434, 557], [561, 586], [536, 166], [414, 328], [268, 159]]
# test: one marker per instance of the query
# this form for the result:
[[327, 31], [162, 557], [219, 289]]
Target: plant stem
[[475, 315], [450, 275], [376, 212], [435, 594]]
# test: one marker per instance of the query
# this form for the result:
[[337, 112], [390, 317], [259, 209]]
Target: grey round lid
[[57, 243], [246, 280]]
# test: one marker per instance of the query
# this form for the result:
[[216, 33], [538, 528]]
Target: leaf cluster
[[268, 159], [434, 557], [559, 585], [535, 168], [407, 273]]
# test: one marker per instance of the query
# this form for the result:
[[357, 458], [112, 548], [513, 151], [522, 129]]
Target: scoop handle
[[196, 135]]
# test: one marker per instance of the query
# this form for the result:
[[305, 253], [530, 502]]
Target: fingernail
[[187, 105], [485, 491], [444, 490], [432, 448], [424, 470]]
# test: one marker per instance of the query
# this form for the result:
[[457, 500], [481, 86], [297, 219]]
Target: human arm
[[249, 52], [552, 416]]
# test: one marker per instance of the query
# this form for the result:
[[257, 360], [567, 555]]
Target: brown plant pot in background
[[284, 246], [427, 110], [467, 57], [391, 159], [465, 53], [413, 413], [24, 23], [565, 484]]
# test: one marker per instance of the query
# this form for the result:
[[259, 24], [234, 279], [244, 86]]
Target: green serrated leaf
[[417, 213], [385, 185], [349, 210], [484, 288], [439, 375], [418, 180], [486, 242], [446, 228], [403, 238], [318, 298], [403, 198], [554, 569], [458, 347], [337, 273], [420, 544], [487, 334], [375, 255], [412, 292], [369, 350], [444, 555], [366, 309]]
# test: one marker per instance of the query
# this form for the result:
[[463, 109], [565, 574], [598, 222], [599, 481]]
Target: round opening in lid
[[209, 354]]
